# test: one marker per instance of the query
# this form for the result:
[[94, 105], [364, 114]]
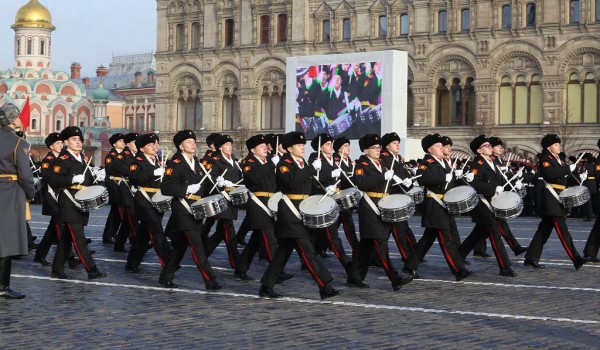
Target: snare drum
[[348, 198], [161, 202], [209, 206], [522, 192], [273, 203], [37, 184], [507, 205], [396, 207], [417, 194], [239, 196], [461, 199], [317, 215], [92, 198], [574, 196]]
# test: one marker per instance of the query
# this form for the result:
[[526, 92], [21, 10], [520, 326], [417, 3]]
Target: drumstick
[[325, 195], [581, 156], [213, 188], [505, 178], [388, 181], [451, 171], [347, 178], [319, 155], [277, 145]]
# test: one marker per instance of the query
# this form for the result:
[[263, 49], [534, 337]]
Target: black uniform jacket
[[347, 166], [399, 169], [178, 176], [50, 204], [259, 177], [368, 178], [233, 174], [433, 177], [61, 179], [591, 184], [325, 178], [120, 165], [485, 181], [291, 179], [555, 173], [113, 187], [141, 174]]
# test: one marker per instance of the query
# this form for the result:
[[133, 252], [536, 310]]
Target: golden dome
[[33, 15]]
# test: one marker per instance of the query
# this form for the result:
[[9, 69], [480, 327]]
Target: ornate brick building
[[517, 69]]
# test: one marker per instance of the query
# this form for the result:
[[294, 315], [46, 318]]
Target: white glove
[[413, 171], [193, 188], [396, 179], [499, 189], [469, 177], [220, 181], [336, 172], [133, 189], [228, 183], [275, 160], [159, 172], [520, 173], [448, 177], [519, 185], [504, 168], [317, 164], [458, 172], [583, 176], [101, 175], [78, 179], [407, 182], [331, 189], [572, 167], [388, 174]]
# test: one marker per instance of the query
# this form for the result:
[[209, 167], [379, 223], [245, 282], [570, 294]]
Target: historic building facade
[[517, 69]]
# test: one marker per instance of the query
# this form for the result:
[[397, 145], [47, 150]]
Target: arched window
[[574, 12], [42, 46], [228, 33], [410, 110], [597, 3], [195, 35], [383, 26], [520, 103], [506, 16], [326, 32], [536, 102], [442, 103], [29, 46], [282, 24], [404, 24], [231, 111], [530, 15], [18, 46], [506, 101], [34, 125], [265, 23], [573, 99], [189, 113], [465, 20], [59, 125], [582, 99], [346, 29], [521, 110], [273, 109], [590, 99], [442, 22], [180, 37]]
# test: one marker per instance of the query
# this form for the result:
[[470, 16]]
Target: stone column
[[485, 93], [423, 103], [554, 101]]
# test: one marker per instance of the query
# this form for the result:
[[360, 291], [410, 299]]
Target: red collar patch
[[289, 161], [66, 156], [139, 158], [176, 161], [430, 160], [480, 162]]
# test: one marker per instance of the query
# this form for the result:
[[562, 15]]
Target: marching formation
[[292, 202]]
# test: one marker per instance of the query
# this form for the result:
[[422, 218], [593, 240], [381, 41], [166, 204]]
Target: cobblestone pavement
[[554, 308]]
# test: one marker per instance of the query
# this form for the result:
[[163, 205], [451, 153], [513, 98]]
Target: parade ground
[[552, 308]]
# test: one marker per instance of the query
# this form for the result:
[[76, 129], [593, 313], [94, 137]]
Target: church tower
[[33, 28]]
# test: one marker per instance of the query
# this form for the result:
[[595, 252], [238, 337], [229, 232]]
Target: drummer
[[403, 235], [341, 146], [146, 174], [437, 177], [554, 171], [327, 179], [182, 180], [206, 161], [592, 245], [484, 178], [371, 177], [115, 216], [447, 144], [294, 179], [68, 176]]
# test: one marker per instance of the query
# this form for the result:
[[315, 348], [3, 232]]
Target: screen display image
[[339, 99]]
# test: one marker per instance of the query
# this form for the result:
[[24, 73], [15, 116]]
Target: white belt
[[553, 192], [186, 206], [485, 201], [145, 195], [436, 197], [52, 193], [260, 204], [68, 194], [291, 206], [371, 204]]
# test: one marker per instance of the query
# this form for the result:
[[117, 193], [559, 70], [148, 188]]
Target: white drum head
[[344, 193], [209, 199], [458, 194], [90, 192], [273, 201], [573, 191], [311, 206], [394, 201], [415, 190], [506, 200], [240, 189], [159, 197]]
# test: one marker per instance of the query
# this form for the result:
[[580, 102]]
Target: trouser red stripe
[[87, 268], [381, 258], [562, 240], [58, 233], [347, 234], [130, 222], [397, 239], [204, 275], [120, 213], [495, 249], [229, 252], [335, 251], [408, 239], [308, 265], [162, 263], [445, 251], [505, 237], [264, 236]]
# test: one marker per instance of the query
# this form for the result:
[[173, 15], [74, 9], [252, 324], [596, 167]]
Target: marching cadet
[[120, 167], [554, 171], [484, 178], [69, 175], [115, 216], [16, 189], [341, 146], [327, 178], [403, 235], [438, 178], [226, 172], [185, 180], [371, 177], [592, 245], [294, 179], [446, 152], [146, 174], [589, 180], [206, 160]]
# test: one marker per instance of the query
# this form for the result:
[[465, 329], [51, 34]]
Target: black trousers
[[332, 240], [129, 226], [113, 221], [150, 231], [225, 232], [50, 236], [258, 238], [447, 245], [347, 223], [378, 246], [181, 240], [243, 230], [5, 268], [593, 242], [404, 237], [481, 232], [72, 234], [548, 223], [305, 250], [481, 247]]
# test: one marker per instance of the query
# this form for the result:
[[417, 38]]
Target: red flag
[[25, 115]]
